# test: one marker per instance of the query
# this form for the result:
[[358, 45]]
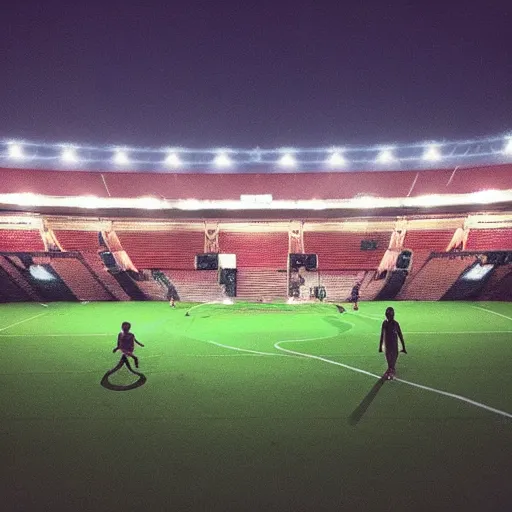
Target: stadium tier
[[282, 186], [143, 233]]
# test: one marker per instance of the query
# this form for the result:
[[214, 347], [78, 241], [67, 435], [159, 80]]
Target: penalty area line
[[492, 312], [409, 383], [23, 321]]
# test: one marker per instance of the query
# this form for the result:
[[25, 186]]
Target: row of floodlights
[[222, 160]]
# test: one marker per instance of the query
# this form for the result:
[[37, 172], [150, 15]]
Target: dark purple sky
[[260, 73]]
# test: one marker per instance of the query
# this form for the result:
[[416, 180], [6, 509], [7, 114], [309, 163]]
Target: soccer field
[[256, 407]]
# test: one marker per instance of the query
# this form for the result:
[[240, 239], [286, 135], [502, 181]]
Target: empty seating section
[[93, 260], [339, 284], [342, 250], [79, 279], [196, 285], [256, 250], [291, 186], [152, 290], [282, 186], [162, 249], [435, 278], [18, 240], [261, 284], [434, 240], [52, 183], [11, 265], [71, 240], [489, 239], [475, 179], [499, 286]]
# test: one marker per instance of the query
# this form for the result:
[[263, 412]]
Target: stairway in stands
[[7, 263], [258, 284], [96, 264], [435, 278], [79, 280], [196, 285]]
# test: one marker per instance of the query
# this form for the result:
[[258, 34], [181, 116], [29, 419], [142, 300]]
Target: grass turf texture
[[219, 429]]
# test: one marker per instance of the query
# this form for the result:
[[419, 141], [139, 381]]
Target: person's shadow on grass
[[117, 387], [360, 410]]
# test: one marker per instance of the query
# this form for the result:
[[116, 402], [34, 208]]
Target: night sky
[[261, 73]]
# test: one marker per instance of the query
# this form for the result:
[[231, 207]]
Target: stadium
[[260, 384]]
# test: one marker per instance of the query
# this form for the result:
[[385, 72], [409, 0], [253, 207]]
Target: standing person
[[171, 303], [354, 295], [126, 342], [389, 334]]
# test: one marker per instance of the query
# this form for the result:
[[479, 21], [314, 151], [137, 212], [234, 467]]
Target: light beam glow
[[385, 156], [173, 161], [288, 161], [432, 154], [15, 151], [336, 160], [69, 155], [222, 161], [121, 158]]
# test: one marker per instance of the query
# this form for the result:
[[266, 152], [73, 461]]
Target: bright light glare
[[16, 151], [40, 273], [488, 196], [287, 160], [69, 155], [385, 156], [149, 203], [364, 201], [508, 147], [222, 161], [227, 302], [432, 154], [336, 160], [121, 158], [173, 161], [290, 300], [92, 202]]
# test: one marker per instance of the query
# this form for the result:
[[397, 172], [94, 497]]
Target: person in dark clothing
[[389, 334], [354, 296]]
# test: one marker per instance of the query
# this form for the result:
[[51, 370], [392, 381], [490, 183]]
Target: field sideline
[[256, 407]]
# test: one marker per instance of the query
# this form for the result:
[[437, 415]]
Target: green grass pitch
[[228, 421]]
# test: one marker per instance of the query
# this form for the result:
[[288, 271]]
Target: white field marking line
[[50, 335], [244, 349], [492, 312], [427, 388], [23, 321]]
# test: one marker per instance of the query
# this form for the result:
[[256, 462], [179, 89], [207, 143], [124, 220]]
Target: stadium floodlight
[[15, 151], [173, 161], [336, 159], [69, 155], [222, 160], [508, 147], [385, 156], [432, 153], [121, 158], [288, 161]]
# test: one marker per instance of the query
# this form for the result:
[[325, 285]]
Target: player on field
[[389, 334], [354, 295], [126, 342]]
